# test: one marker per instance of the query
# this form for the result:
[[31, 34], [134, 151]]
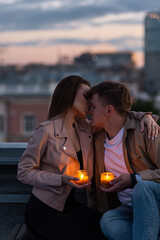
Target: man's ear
[[109, 109]]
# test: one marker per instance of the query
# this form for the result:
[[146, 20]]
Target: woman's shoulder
[[51, 125], [44, 126], [46, 123]]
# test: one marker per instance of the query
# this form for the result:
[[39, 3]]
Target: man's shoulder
[[132, 124], [133, 129]]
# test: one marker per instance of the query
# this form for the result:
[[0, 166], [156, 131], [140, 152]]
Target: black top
[[77, 195], [80, 159]]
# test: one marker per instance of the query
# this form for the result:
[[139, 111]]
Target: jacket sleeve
[[29, 171], [153, 153], [140, 115]]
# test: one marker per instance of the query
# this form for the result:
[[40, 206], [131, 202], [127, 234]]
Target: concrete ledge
[[9, 161], [11, 145], [13, 194], [10, 153], [14, 198]]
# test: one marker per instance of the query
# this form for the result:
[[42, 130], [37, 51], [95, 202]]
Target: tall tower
[[152, 52]]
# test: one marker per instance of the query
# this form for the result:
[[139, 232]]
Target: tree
[[145, 106]]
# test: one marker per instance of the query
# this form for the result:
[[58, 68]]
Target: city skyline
[[43, 31], [152, 52]]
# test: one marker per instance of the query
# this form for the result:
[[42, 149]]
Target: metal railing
[[10, 153], [11, 190]]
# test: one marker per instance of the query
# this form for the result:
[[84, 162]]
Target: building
[[85, 59], [115, 61], [22, 107], [152, 52], [112, 61], [2, 120]]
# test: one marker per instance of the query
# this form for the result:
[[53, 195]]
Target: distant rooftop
[[27, 89]]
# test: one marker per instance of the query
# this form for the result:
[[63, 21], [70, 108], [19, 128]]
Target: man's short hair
[[113, 93]]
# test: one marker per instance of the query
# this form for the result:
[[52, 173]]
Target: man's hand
[[152, 127], [66, 179], [119, 184]]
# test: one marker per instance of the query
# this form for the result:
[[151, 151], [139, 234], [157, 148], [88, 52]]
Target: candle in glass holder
[[82, 175], [106, 177]]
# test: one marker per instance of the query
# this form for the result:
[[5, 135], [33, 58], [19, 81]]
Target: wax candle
[[106, 177], [82, 175]]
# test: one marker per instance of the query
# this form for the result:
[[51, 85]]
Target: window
[[1, 124], [29, 123]]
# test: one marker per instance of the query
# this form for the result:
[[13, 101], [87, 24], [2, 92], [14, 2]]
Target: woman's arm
[[29, 171], [148, 119]]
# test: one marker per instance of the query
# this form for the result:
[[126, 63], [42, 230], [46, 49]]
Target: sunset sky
[[44, 30]]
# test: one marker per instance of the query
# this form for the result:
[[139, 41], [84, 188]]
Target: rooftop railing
[[11, 190], [10, 153]]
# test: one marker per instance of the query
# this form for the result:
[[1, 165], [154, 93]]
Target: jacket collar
[[129, 124], [83, 125], [85, 137], [60, 130]]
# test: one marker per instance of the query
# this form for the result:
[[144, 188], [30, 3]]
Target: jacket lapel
[[99, 150], [129, 124], [60, 132]]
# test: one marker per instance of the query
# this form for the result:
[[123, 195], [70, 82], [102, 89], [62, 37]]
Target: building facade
[[22, 108], [113, 61], [152, 52]]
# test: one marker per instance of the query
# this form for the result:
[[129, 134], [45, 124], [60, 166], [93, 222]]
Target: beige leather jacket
[[49, 155]]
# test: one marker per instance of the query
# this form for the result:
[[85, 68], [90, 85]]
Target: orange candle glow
[[82, 175], [106, 177]]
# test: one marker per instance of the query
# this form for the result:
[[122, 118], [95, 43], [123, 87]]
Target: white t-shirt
[[114, 162]]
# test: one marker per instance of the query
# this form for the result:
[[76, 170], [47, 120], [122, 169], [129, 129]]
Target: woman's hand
[[66, 179], [152, 127]]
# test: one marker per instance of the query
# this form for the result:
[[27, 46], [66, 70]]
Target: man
[[134, 159]]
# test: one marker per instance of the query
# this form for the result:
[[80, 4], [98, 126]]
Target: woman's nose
[[90, 109]]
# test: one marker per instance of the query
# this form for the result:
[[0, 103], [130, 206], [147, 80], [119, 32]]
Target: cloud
[[21, 44], [127, 43], [60, 14], [123, 43]]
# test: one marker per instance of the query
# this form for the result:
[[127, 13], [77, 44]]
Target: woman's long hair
[[64, 95]]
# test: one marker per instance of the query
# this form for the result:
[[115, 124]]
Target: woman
[[56, 150]]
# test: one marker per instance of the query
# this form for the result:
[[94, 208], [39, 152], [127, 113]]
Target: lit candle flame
[[81, 176], [106, 177]]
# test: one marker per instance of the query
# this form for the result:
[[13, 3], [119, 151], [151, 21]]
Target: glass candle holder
[[82, 175], [106, 177]]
